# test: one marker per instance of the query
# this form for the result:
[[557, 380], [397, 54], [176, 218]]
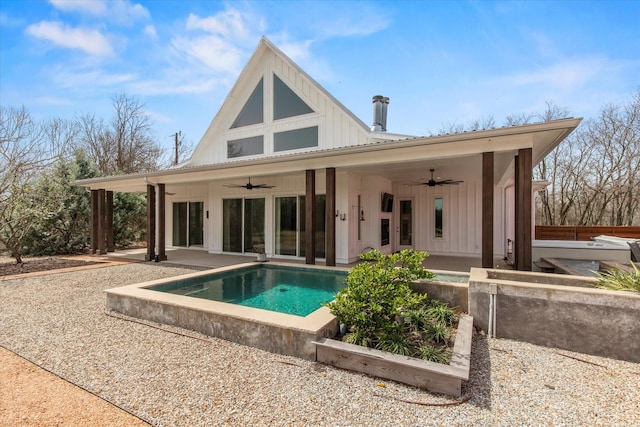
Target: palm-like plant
[[620, 280]]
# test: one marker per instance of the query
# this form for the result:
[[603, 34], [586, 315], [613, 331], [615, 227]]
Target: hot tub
[[582, 250]]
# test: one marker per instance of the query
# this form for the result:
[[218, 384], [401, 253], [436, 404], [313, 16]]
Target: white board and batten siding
[[462, 217]]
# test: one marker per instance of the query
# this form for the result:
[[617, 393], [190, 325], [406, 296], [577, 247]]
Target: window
[[253, 111], [285, 102], [296, 139], [438, 204], [406, 222], [384, 232], [245, 147]]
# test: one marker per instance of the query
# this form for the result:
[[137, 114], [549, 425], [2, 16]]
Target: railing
[[580, 232]]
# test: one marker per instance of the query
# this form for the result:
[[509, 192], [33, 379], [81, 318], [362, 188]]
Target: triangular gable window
[[285, 102], [253, 111]]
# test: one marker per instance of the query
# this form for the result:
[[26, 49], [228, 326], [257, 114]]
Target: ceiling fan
[[432, 182], [249, 185]]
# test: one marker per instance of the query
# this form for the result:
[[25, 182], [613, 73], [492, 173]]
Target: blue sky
[[439, 62]]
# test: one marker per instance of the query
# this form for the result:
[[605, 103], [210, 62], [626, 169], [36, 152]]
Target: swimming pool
[[291, 290], [274, 331]]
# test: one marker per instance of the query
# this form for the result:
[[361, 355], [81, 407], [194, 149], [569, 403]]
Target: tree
[[594, 173], [25, 151], [483, 123], [64, 210], [124, 145]]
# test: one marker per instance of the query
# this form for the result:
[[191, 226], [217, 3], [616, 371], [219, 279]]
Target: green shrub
[[433, 354], [380, 310], [620, 280]]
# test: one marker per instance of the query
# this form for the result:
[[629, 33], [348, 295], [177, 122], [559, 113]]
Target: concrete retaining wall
[[287, 340], [456, 295], [541, 309]]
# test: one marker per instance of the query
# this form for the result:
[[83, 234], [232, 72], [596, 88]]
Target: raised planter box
[[435, 377]]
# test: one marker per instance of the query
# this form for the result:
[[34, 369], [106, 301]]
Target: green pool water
[[290, 290]]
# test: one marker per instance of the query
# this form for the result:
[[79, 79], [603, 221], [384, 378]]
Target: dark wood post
[[330, 221], [111, 247], [151, 223], [523, 175], [162, 254], [102, 249], [310, 217], [94, 221], [487, 210]]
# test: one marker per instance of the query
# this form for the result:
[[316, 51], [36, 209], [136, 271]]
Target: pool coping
[[272, 331]]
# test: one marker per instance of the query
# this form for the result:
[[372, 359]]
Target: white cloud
[[88, 40], [215, 53], [150, 31], [296, 50], [346, 26], [195, 86], [124, 12], [226, 24], [92, 7], [118, 11], [562, 76], [220, 42]]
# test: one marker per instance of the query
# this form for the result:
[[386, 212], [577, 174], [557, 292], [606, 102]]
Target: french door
[[243, 225], [290, 225], [404, 230], [188, 224]]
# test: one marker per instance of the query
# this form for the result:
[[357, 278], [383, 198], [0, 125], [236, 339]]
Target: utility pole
[[177, 142]]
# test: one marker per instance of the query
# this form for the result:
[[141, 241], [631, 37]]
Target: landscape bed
[[435, 377]]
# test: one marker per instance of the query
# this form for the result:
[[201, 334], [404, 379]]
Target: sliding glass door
[[253, 225], [290, 225], [188, 224], [286, 226], [243, 225]]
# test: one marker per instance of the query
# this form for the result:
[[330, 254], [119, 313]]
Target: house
[[280, 141]]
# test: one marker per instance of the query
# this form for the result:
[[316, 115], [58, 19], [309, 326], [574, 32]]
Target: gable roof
[[245, 84]]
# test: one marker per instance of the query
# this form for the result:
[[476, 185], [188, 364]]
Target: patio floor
[[200, 258]]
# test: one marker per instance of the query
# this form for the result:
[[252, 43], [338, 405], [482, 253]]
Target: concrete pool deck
[[201, 258]]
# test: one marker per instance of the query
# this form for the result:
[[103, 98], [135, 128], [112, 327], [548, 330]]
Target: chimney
[[379, 113], [385, 103]]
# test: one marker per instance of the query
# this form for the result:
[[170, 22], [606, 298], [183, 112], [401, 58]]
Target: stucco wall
[[553, 313]]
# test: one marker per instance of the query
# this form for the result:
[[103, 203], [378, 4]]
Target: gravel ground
[[58, 322]]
